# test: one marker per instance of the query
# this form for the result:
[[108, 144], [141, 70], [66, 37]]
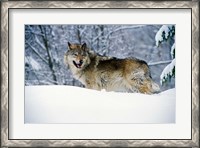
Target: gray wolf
[[112, 74]]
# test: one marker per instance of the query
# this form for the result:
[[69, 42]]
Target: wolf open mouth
[[78, 65]]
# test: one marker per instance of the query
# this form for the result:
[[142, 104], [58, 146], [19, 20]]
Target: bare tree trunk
[[78, 34], [50, 61]]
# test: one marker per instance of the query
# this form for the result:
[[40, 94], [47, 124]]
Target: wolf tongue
[[79, 65]]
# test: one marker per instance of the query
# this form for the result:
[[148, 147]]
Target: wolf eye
[[83, 54], [75, 54]]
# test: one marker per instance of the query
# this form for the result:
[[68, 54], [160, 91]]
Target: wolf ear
[[84, 46], [69, 45]]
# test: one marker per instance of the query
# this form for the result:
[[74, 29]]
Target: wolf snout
[[81, 61], [78, 64]]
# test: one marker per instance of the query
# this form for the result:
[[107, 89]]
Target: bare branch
[[123, 28], [48, 79], [116, 30], [50, 60], [160, 62], [33, 70], [35, 33], [39, 43], [35, 51]]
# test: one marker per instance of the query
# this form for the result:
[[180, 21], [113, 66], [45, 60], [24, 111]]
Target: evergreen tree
[[165, 33]]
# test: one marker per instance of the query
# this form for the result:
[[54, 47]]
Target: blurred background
[[45, 46]]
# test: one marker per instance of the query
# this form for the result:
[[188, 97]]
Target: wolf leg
[[91, 85]]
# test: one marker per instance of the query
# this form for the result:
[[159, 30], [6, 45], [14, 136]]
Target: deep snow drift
[[69, 104]]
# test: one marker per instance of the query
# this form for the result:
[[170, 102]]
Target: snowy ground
[[69, 104]]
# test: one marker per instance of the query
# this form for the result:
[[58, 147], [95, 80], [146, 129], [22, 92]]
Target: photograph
[[67, 65]]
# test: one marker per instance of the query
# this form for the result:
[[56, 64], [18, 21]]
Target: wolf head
[[77, 56]]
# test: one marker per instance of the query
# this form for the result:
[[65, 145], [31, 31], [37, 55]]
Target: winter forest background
[[45, 46]]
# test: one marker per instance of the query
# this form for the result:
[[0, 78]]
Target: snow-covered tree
[[165, 33]]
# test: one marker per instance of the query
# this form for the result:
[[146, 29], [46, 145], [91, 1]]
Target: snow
[[75, 105], [172, 50], [35, 65], [167, 70], [159, 35]]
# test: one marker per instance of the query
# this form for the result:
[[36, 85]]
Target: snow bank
[[69, 104]]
